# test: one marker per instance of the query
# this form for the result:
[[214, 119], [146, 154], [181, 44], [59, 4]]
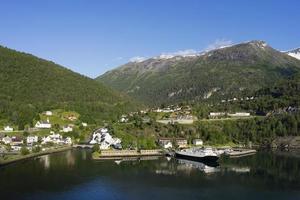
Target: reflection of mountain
[[189, 165]]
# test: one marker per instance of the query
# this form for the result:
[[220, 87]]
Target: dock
[[240, 153], [119, 154]]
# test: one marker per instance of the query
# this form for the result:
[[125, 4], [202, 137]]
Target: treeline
[[255, 130]]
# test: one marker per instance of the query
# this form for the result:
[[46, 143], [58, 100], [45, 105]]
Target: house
[[166, 143], [68, 141], [6, 140], [48, 113], [146, 119], [16, 141], [239, 114], [216, 114], [43, 124], [16, 148], [2, 149], [181, 142], [104, 139], [54, 138], [32, 139], [124, 119], [8, 128], [84, 124], [72, 117], [67, 129], [197, 142]]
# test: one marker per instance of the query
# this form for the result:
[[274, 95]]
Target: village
[[55, 130], [43, 137]]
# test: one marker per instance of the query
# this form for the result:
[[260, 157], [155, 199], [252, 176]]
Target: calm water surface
[[73, 175]]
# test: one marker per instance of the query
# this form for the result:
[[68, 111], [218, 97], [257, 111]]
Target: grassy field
[[60, 117]]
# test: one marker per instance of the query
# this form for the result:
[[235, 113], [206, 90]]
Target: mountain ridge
[[253, 61]]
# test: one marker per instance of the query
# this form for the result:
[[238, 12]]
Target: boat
[[207, 155]]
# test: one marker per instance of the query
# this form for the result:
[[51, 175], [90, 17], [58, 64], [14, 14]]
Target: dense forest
[[30, 85]]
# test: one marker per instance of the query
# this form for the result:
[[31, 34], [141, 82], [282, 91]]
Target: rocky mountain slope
[[217, 74]]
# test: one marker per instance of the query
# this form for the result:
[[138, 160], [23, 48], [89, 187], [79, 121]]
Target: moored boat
[[207, 155]]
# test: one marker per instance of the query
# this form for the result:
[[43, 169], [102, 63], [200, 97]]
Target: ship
[[205, 155]]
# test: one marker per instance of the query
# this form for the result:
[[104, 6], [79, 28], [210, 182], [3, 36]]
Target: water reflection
[[45, 160], [188, 165], [70, 158], [265, 174]]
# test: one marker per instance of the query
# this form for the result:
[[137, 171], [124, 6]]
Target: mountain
[[294, 53], [31, 84], [220, 73]]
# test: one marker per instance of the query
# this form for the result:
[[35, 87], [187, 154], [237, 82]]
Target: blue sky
[[91, 37]]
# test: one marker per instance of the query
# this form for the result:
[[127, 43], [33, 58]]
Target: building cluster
[[172, 109], [168, 143], [16, 143], [225, 114], [105, 140], [238, 99]]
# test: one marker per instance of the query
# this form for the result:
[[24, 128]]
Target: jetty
[[235, 153], [119, 154]]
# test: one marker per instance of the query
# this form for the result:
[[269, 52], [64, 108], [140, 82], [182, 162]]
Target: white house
[[216, 114], [67, 129], [7, 140], [239, 114], [8, 128], [32, 139], [68, 141], [104, 139], [197, 142], [48, 113], [43, 124], [16, 148], [84, 124], [55, 138], [124, 119], [166, 143]]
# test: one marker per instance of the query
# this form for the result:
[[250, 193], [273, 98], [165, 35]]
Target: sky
[[93, 36]]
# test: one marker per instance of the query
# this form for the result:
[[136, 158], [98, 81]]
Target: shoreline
[[33, 155]]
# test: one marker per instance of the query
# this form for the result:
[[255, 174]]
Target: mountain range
[[220, 73]]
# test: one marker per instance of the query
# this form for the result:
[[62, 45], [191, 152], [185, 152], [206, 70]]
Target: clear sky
[[93, 36]]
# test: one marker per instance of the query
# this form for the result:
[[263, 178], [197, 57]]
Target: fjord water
[[73, 175]]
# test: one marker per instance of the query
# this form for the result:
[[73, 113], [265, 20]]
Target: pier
[[240, 153], [118, 154]]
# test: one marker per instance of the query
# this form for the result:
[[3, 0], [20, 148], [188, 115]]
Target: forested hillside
[[29, 85]]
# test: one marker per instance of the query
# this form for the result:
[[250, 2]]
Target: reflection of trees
[[274, 169]]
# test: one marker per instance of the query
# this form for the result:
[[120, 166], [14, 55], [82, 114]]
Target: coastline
[[33, 155]]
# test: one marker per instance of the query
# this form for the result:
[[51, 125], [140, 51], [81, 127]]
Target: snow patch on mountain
[[182, 53], [294, 53]]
